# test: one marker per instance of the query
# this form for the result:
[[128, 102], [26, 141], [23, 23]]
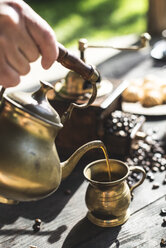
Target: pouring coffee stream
[[107, 161]]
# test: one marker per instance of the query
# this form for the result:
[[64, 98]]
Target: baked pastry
[[152, 98], [150, 78], [150, 86], [149, 91], [137, 82], [132, 94], [163, 90]]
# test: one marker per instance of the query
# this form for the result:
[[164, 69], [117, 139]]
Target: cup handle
[[137, 169]]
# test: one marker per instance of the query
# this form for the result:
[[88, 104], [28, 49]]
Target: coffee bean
[[140, 158], [38, 221], [146, 168], [147, 163], [162, 168], [131, 125], [155, 169], [115, 120], [163, 212], [140, 151], [135, 160], [129, 161], [157, 155], [36, 228], [135, 146], [134, 175], [138, 177], [164, 181], [125, 123], [164, 222], [151, 178], [133, 117], [149, 175], [130, 183], [156, 164], [163, 243], [126, 129], [149, 140], [122, 133], [155, 186], [130, 178]]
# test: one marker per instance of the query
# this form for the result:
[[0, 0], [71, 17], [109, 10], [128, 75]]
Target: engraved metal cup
[[108, 201]]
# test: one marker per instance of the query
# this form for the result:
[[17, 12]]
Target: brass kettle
[[30, 168]]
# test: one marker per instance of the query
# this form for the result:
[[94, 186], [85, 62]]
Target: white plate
[[137, 108]]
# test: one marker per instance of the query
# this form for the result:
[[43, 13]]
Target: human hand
[[24, 36]]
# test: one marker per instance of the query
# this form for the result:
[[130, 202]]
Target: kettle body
[[30, 168], [29, 164]]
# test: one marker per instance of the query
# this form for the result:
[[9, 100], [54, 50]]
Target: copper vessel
[[108, 201]]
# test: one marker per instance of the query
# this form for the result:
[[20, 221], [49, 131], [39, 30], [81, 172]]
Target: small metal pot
[[108, 201]]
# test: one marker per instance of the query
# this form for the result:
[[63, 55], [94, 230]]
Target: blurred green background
[[92, 19]]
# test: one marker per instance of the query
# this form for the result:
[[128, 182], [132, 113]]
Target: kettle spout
[[70, 163]]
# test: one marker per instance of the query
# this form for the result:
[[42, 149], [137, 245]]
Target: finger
[[45, 39], [17, 60], [16, 34], [8, 76], [49, 52], [28, 47], [41, 33], [48, 57]]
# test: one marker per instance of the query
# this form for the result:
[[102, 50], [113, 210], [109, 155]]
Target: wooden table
[[63, 214]]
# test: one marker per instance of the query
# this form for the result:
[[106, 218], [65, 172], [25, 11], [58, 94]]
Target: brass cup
[[108, 201]]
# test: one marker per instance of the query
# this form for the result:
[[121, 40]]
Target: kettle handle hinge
[[68, 112]]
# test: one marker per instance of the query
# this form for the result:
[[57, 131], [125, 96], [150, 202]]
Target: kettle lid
[[36, 104]]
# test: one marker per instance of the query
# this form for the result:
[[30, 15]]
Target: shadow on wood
[[86, 234], [46, 209], [54, 235]]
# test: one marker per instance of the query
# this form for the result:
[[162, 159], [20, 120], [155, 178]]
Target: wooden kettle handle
[[71, 62]]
